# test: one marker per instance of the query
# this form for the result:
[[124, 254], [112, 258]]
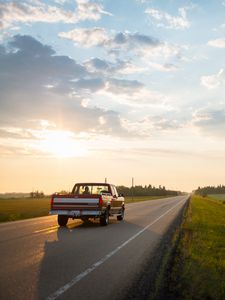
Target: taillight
[[100, 201], [52, 199]]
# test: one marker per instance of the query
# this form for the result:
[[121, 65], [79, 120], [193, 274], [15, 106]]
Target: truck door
[[116, 201]]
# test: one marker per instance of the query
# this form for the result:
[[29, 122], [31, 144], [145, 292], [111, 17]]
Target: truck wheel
[[62, 220], [85, 220], [104, 220], [121, 217]]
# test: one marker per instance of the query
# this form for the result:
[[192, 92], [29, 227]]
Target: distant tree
[[64, 192], [149, 190], [37, 194], [220, 189], [204, 194]]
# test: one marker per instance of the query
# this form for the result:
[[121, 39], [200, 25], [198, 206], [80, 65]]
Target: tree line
[[207, 190], [37, 194], [149, 190]]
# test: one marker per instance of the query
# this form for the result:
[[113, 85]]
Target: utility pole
[[105, 180], [132, 189]]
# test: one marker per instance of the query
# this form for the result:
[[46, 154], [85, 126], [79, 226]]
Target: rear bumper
[[77, 213]]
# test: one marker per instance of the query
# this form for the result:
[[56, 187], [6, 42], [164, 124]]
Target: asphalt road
[[39, 260]]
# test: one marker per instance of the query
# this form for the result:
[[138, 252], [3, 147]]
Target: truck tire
[[121, 217], [85, 220], [104, 220], [62, 220]]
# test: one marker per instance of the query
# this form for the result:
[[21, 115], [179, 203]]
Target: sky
[[111, 89]]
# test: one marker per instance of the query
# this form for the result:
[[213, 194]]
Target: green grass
[[143, 198], [199, 268], [217, 196], [24, 208]]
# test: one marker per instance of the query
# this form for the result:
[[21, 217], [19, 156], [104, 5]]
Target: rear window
[[90, 189]]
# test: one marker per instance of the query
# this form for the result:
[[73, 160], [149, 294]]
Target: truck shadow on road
[[91, 223], [73, 249]]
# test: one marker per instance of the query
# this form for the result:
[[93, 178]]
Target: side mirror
[[121, 195]]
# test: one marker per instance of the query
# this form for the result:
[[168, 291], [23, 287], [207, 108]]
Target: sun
[[61, 144]]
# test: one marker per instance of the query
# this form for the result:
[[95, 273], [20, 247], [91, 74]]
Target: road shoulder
[[148, 285]]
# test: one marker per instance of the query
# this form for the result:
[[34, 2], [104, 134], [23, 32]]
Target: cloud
[[143, 1], [86, 37], [30, 46], [92, 85], [12, 13], [61, 2], [10, 150], [154, 126], [103, 68], [211, 122], [133, 94], [133, 40], [98, 65], [43, 90], [90, 10], [213, 81], [166, 20], [165, 123], [16, 133], [132, 152], [97, 36], [218, 43], [126, 49], [128, 67], [37, 84], [31, 62], [166, 67], [139, 45], [162, 123], [122, 86]]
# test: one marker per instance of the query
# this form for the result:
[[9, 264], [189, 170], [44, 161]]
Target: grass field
[[198, 270], [217, 197], [24, 208], [143, 198]]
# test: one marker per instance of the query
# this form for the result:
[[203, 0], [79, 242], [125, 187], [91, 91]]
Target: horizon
[[48, 194], [95, 89]]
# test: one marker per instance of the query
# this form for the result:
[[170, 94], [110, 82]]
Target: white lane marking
[[77, 278]]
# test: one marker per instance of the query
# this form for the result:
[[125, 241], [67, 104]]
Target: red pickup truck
[[88, 200]]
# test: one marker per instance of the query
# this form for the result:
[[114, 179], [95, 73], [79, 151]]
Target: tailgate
[[75, 203]]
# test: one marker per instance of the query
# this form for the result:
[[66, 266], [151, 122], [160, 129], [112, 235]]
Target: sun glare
[[61, 144]]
